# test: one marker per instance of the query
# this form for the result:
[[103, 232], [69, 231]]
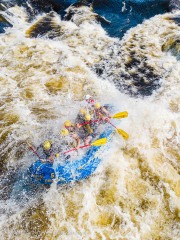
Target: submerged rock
[[135, 64], [172, 45], [48, 25], [81, 3], [4, 22], [81, 10]]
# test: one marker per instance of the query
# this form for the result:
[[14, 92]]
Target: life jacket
[[89, 128], [68, 141]]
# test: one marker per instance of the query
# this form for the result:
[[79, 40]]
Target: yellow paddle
[[96, 143], [121, 132], [117, 116], [120, 115], [124, 134], [99, 142]]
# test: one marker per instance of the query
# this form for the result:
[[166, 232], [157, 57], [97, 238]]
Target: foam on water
[[134, 192]]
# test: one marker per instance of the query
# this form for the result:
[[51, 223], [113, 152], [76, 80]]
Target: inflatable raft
[[70, 170]]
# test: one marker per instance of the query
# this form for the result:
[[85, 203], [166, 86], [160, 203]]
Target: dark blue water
[[122, 14]]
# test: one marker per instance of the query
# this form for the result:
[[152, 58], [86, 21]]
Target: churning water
[[49, 59]]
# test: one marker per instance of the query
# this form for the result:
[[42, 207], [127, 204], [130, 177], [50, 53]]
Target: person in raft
[[46, 151], [71, 130], [100, 112], [84, 126], [89, 119], [95, 109], [89, 103], [86, 131], [80, 117], [78, 131]]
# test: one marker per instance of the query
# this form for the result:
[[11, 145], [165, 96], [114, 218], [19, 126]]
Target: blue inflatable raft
[[70, 171]]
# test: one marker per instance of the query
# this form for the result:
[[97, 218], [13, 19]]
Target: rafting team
[[84, 129]]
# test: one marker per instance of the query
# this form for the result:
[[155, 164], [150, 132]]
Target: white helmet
[[86, 97]]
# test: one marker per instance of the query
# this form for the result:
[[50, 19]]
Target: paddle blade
[[99, 142], [123, 133], [120, 115]]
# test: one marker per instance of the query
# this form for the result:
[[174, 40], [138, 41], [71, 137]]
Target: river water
[[47, 66]]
